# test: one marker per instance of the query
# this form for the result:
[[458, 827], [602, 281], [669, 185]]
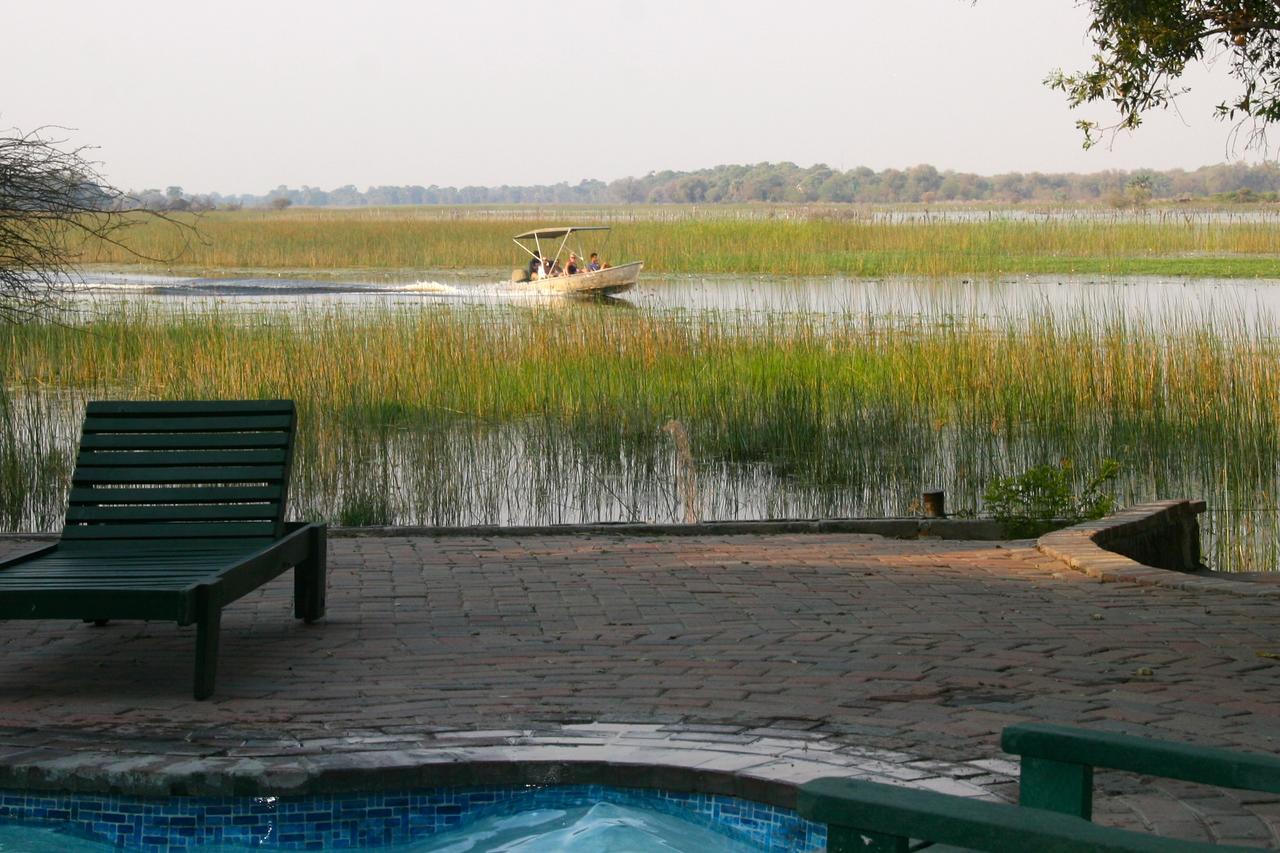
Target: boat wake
[[263, 289], [429, 287]]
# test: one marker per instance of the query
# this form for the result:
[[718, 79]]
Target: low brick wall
[[1156, 544], [1165, 535]]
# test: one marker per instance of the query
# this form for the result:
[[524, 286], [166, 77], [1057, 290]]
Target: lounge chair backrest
[[181, 470]]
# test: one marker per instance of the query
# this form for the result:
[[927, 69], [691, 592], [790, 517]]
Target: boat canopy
[[557, 233]]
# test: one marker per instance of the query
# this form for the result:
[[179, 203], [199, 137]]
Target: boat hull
[[609, 280]]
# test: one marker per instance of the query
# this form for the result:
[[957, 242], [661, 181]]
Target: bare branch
[[54, 205]]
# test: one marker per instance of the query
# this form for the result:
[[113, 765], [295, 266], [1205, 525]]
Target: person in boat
[[535, 267], [593, 263], [572, 267]]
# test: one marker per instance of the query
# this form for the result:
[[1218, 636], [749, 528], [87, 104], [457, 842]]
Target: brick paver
[[924, 649]]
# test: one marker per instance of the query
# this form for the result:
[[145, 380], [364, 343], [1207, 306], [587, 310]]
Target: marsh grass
[[542, 415], [712, 241]]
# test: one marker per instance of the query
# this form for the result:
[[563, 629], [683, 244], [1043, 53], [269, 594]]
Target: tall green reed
[[710, 241], [543, 414]]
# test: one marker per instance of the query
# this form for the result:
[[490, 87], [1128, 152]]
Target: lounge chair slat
[[165, 512], [175, 530], [174, 494], [78, 574], [248, 423], [178, 474], [121, 603], [68, 571], [167, 582], [148, 408], [176, 510], [157, 458], [48, 568], [156, 549], [183, 440]]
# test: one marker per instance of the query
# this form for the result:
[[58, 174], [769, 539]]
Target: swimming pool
[[457, 820]]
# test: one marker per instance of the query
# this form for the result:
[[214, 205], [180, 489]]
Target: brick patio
[[911, 655]]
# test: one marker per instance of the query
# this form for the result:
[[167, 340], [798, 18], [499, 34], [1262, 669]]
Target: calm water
[[1159, 301]]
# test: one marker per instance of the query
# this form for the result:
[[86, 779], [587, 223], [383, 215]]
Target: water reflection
[[538, 472]]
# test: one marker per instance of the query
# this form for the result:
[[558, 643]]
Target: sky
[[240, 97]]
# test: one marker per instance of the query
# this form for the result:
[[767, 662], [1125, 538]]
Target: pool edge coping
[[762, 764]]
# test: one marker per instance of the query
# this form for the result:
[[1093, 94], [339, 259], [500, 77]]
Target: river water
[[1157, 301]]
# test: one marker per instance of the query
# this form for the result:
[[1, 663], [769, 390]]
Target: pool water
[[522, 819], [29, 838], [597, 828]]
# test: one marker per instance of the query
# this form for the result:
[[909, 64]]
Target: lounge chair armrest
[[869, 816], [291, 527], [1083, 747]]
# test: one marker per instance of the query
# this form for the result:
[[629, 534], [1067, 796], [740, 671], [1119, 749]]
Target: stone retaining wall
[[1156, 544]]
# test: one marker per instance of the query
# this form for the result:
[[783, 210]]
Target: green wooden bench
[[1057, 764], [873, 818], [176, 510]]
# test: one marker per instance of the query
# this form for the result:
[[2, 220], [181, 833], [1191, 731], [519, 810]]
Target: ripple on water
[[598, 828]]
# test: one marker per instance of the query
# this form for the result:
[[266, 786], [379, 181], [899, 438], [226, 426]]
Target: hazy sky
[[234, 96]]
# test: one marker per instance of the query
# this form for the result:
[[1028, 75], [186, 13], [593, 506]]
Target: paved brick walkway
[[923, 649]]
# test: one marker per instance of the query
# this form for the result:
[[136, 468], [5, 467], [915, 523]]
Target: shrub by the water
[[1044, 497]]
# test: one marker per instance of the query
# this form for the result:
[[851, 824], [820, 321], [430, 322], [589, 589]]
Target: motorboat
[[608, 279]]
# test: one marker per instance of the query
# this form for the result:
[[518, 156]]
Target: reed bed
[[545, 415], [813, 243]]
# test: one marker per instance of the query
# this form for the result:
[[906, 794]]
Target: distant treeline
[[788, 183]]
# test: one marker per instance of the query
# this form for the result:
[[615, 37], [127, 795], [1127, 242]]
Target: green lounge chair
[[1057, 764], [176, 510], [869, 817], [1055, 800]]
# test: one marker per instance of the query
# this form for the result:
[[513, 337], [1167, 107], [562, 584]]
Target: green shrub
[[1042, 498]]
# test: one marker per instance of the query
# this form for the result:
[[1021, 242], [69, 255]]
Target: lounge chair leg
[[309, 578], [207, 628]]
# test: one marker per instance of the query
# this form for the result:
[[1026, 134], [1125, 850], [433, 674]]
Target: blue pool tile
[[345, 822]]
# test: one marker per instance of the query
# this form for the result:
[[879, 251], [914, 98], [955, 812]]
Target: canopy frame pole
[[563, 240]]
